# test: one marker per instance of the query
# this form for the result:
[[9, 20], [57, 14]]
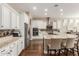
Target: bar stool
[[55, 45], [63, 46], [70, 45]]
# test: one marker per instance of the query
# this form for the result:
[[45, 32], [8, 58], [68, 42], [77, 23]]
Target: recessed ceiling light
[[34, 8], [46, 9], [45, 13], [61, 14], [61, 9]]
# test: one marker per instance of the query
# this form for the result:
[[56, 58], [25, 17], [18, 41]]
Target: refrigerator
[[26, 35]]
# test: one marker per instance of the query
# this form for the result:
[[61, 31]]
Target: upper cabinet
[[59, 24], [5, 17], [14, 20], [39, 23], [9, 17], [24, 18], [18, 21], [70, 24], [54, 24]]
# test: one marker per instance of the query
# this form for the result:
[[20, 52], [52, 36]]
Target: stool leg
[[77, 49], [47, 51], [73, 51], [59, 52], [55, 52], [66, 52]]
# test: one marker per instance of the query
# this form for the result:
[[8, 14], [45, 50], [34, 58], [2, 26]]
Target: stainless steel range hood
[[49, 26], [48, 21]]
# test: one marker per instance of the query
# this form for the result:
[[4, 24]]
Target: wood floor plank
[[35, 49]]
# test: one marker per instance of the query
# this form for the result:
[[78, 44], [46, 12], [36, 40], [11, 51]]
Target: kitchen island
[[47, 37]]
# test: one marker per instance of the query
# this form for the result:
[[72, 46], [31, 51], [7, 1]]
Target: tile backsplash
[[6, 32]]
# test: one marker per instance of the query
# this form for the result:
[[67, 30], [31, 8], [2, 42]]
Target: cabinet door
[[71, 23], [0, 16], [54, 24], [19, 47], [59, 24], [13, 20], [4, 51], [17, 21], [5, 17], [13, 49], [22, 44]]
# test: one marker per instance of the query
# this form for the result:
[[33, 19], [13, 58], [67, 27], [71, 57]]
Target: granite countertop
[[4, 41], [60, 36]]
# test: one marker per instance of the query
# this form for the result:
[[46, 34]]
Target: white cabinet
[[5, 17], [22, 43], [13, 49], [23, 19], [0, 16], [5, 51], [9, 50], [71, 24], [19, 47], [41, 24], [59, 24], [54, 24], [13, 20], [26, 18], [17, 21], [9, 18]]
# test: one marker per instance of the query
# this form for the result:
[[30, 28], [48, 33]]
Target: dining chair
[[70, 46], [54, 45]]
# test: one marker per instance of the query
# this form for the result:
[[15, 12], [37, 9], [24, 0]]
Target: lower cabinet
[[13, 49], [20, 45], [5, 51]]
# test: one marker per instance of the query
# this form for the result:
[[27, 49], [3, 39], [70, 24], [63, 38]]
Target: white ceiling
[[69, 9]]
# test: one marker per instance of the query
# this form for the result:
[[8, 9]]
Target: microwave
[[16, 34]]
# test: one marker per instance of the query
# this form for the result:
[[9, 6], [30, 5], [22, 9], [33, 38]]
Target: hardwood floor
[[35, 49]]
